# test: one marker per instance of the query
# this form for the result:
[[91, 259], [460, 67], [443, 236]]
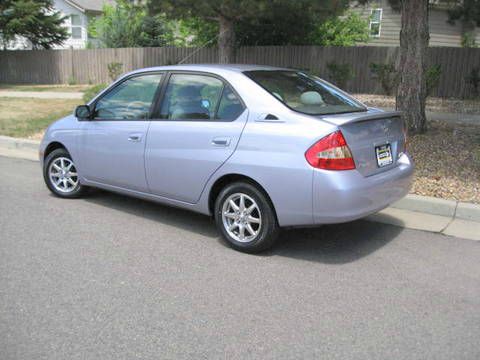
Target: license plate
[[384, 155]]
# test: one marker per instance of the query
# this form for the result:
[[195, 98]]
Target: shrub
[[433, 77], [387, 75], [92, 91], [340, 74], [71, 81], [115, 69], [473, 80]]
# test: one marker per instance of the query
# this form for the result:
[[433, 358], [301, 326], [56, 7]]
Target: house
[[385, 24], [78, 13]]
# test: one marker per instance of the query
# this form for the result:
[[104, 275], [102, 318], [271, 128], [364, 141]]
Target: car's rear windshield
[[305, 93]]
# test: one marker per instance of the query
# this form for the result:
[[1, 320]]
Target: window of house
[[375, 20], [76, 26]]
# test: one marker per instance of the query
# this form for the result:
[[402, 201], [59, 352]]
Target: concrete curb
[[435, 206], [414, 211], [21, 144]]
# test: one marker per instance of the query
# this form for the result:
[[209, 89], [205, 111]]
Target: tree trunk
[[226, 41], [412, 89]]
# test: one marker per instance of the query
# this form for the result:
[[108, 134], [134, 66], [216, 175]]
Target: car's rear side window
[[230, 106], [191, 97]]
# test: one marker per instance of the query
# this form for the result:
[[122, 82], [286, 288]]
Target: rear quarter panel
[[272, 154]]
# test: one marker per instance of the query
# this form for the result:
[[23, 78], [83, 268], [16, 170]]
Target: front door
[[112, 143], [199, 123]]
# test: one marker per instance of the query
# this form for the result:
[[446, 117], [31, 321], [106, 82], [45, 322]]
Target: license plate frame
[[383, 154]]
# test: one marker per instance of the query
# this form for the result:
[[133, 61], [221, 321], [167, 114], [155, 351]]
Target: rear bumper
[[343, 196]]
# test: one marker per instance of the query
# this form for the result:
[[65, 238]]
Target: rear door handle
[[221, 141], [135, 137]]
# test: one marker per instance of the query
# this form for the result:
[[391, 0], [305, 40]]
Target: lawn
[[27, 117], [55, 88]]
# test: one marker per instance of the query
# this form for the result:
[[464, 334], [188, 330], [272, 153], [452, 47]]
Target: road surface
[[110, 277]]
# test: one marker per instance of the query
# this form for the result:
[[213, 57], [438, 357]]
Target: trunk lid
[[367, 131]]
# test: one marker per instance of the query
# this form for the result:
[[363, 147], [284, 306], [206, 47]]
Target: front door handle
[[221, 141], [134, 137]]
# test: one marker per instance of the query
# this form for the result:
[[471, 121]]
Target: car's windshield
[[304, 93]]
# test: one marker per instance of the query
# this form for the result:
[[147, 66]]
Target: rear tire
[[60, 175], [245, 217]]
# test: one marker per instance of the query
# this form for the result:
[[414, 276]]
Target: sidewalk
[[454, 118], [414, 212], [41, 94]]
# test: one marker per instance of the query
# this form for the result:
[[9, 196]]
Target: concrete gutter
[[426, 213]]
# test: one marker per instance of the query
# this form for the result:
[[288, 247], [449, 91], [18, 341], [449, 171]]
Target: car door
[[197, 127], [112, 143]]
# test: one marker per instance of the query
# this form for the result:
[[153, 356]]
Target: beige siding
[[441, 32]]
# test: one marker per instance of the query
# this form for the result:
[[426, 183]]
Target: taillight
[[331, 153]]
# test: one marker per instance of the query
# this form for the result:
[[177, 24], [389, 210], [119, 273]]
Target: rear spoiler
[[370, 114]]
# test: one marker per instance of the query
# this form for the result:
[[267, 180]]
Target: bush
[[387, 75], [92, 91], [71, 81], [115, 69], [340, 74], [433, 77], [473, 80]]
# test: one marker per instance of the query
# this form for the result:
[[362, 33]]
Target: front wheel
[[246, 218], [60, 175]]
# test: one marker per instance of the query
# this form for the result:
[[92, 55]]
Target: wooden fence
[[90, 66]]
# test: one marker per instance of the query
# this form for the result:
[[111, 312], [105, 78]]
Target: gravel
[[447, 160]]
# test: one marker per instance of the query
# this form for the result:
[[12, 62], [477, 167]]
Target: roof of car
[[213, 67]]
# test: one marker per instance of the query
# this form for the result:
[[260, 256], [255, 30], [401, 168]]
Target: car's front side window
[[191, 97], [129, 100]]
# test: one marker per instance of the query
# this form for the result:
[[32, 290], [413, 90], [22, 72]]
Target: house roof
[[90, 5]]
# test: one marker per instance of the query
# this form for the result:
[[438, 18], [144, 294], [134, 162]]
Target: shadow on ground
[[332, 244]]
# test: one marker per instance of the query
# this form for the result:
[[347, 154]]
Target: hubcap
[[241, 217], [63, 175]]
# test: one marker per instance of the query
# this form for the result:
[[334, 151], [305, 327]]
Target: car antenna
[[201, 47]]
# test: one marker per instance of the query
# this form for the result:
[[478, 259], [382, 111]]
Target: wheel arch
[[226, 179], [54, 145]]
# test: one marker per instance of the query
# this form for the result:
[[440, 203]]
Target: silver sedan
[[257, 147]]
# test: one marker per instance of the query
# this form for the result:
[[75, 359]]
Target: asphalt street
[[111, 277]]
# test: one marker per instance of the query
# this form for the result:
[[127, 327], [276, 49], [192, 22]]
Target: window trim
[[379, 22], [112, 87], [156, 111], [76, 26]]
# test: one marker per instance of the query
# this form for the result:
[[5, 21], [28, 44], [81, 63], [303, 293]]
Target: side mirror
[[83, 112]]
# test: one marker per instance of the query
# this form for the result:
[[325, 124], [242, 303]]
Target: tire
[[66, 184], [258, 213]]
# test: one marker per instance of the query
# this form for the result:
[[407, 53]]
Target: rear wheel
[[60, 175], [246, 218]]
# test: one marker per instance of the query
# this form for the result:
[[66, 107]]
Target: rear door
[[112, 143], [198, 124]]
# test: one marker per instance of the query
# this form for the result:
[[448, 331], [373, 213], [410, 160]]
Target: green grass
[[42, 88], [25, 117]]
